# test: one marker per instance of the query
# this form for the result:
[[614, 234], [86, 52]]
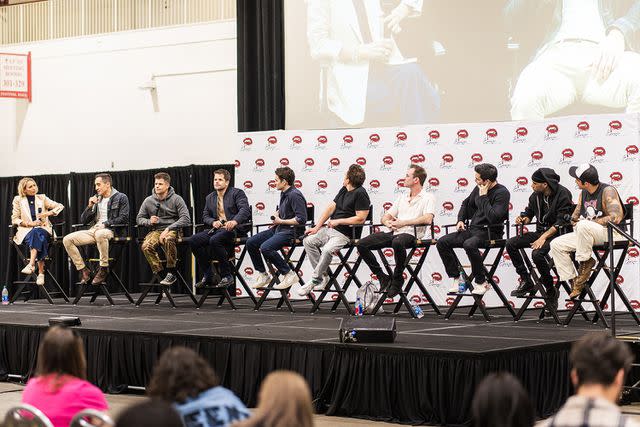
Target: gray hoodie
[[172, 211]]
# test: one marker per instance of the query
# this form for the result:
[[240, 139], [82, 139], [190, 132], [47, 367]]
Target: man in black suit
[[228, 214]]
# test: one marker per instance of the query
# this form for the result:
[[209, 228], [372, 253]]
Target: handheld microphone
[[157, 208], [273, 217]]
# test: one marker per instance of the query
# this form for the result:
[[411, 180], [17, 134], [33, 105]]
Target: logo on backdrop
[[308, 164], [598, 156], [271, 186], [461, 137], [387, 163], [633, 200], [321, 187], [461, 185], [505, 160], [347, 142], [374, 141], [536, 158], [260, 207], [520, 135], [582, 130], [417, 158], [374, 186], [258, 165], [490, 136], [297, 183], [615, 126], [432, 137], [284, 161], [432, 184], [632, 256], [296, 142], [566, 156], [447, 161], [436, 279], [401, 139], [551, 132], [361, 161], [334, 165], [447, 209], [236, 164], [630, 153], [521, 184], [272, 143], [616, 178], [321, 142], [476, 158], [247, 144]]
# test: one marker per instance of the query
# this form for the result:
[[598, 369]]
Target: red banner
[[15, 75]]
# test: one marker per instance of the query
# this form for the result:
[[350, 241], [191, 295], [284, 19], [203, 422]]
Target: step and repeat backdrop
[[449, 153]]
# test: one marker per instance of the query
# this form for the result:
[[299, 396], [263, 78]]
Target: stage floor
[[434, 364]]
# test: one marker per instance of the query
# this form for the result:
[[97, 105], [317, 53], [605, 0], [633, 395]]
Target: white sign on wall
[[15, 76]]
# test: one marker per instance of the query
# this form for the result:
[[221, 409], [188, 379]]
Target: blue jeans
[[269, 243]]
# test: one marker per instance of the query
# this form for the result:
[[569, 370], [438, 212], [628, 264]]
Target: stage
[[427, 376]]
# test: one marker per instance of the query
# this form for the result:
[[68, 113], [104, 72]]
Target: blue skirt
[[38, 239]]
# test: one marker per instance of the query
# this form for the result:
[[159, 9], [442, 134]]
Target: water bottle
[[359, 308], [5, 296], [417, 310], [462, 284]]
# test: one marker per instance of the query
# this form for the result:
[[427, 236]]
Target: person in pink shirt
[[60, 389]]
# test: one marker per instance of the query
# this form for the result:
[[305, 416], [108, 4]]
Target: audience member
[[501, 401], [60, 389], [184, 378], [599, 364], [152, 413], [284, 400]]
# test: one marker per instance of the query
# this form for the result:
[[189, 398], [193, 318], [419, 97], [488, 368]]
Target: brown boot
[[85, 275], [584, 272], [101, 276]]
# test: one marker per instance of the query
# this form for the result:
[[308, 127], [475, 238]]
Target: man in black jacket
[[228, 213], [549, 204], [486, 207], [106, 209]]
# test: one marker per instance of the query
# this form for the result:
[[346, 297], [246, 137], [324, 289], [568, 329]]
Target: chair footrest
[[24, 282], [582, 300], [536, 297], [149, 285]]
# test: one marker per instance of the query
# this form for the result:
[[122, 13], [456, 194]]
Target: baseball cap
[[584, 172]]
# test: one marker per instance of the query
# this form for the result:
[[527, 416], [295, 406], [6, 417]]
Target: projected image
[[373, 63]]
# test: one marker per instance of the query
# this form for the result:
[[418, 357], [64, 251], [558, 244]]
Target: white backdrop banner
[[449, 152]]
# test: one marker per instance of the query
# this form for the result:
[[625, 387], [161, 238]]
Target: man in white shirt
[[586, 57], [415, 207], [599, 364]]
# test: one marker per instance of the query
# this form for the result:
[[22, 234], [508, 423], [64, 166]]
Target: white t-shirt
[[102, 210], [424, 203], [581, 20]]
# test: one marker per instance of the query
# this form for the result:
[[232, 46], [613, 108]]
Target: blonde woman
[[31, 212], [284, 400]]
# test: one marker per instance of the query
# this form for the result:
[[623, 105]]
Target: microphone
[[157, 208], [213, 230]]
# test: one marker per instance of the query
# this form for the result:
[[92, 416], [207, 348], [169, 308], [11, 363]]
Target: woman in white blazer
[[31, 212]]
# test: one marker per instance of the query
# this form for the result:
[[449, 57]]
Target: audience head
[[103, 184], [501, 401], [61, 354], [599, 364], [355, 176], [152, 413], [27, 187], [485, 172], [221, 179], [284, 400], [415, 175], [285, 176], [586, 176], [181, 374], [161, 183]]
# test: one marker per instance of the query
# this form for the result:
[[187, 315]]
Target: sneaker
[[455, 285], [525, 286], [323, 284], [384, 280], [552, 298], [225, 282], [481, 288], [28, 269], [306, 289], [169, 279], [40, 279], [100, 276], [262, 280], [206, 281], [287, 281]]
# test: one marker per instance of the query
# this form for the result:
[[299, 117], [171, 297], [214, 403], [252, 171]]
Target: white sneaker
[[28, 269], [481, 288], [262, 280], [287, 281], [455, 285], [322, 285], [40, 279], [306, 289]]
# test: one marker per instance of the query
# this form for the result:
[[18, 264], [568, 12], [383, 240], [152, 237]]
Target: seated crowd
[[227, 216], [184, 390]]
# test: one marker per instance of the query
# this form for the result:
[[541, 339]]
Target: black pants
[[216, 245], [399, 243], [470, 241], [538, 256]]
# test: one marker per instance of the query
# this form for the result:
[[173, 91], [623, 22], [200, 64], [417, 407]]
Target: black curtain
[[8, 190], [261, 101]]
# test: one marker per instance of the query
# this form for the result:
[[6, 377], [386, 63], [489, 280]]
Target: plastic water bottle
[[462, 284], [417, 310], [5, 296], [359, 308]]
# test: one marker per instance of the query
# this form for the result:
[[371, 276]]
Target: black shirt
[[347, 203], [292, 205], [485, 210]]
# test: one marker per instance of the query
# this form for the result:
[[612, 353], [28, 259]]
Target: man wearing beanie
[[549, 204], [598, 204]]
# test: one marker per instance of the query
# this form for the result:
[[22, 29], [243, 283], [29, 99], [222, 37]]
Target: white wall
[[88, 113]]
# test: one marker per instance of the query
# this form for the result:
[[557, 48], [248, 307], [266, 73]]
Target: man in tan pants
[[107, 208], [598, 204]]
